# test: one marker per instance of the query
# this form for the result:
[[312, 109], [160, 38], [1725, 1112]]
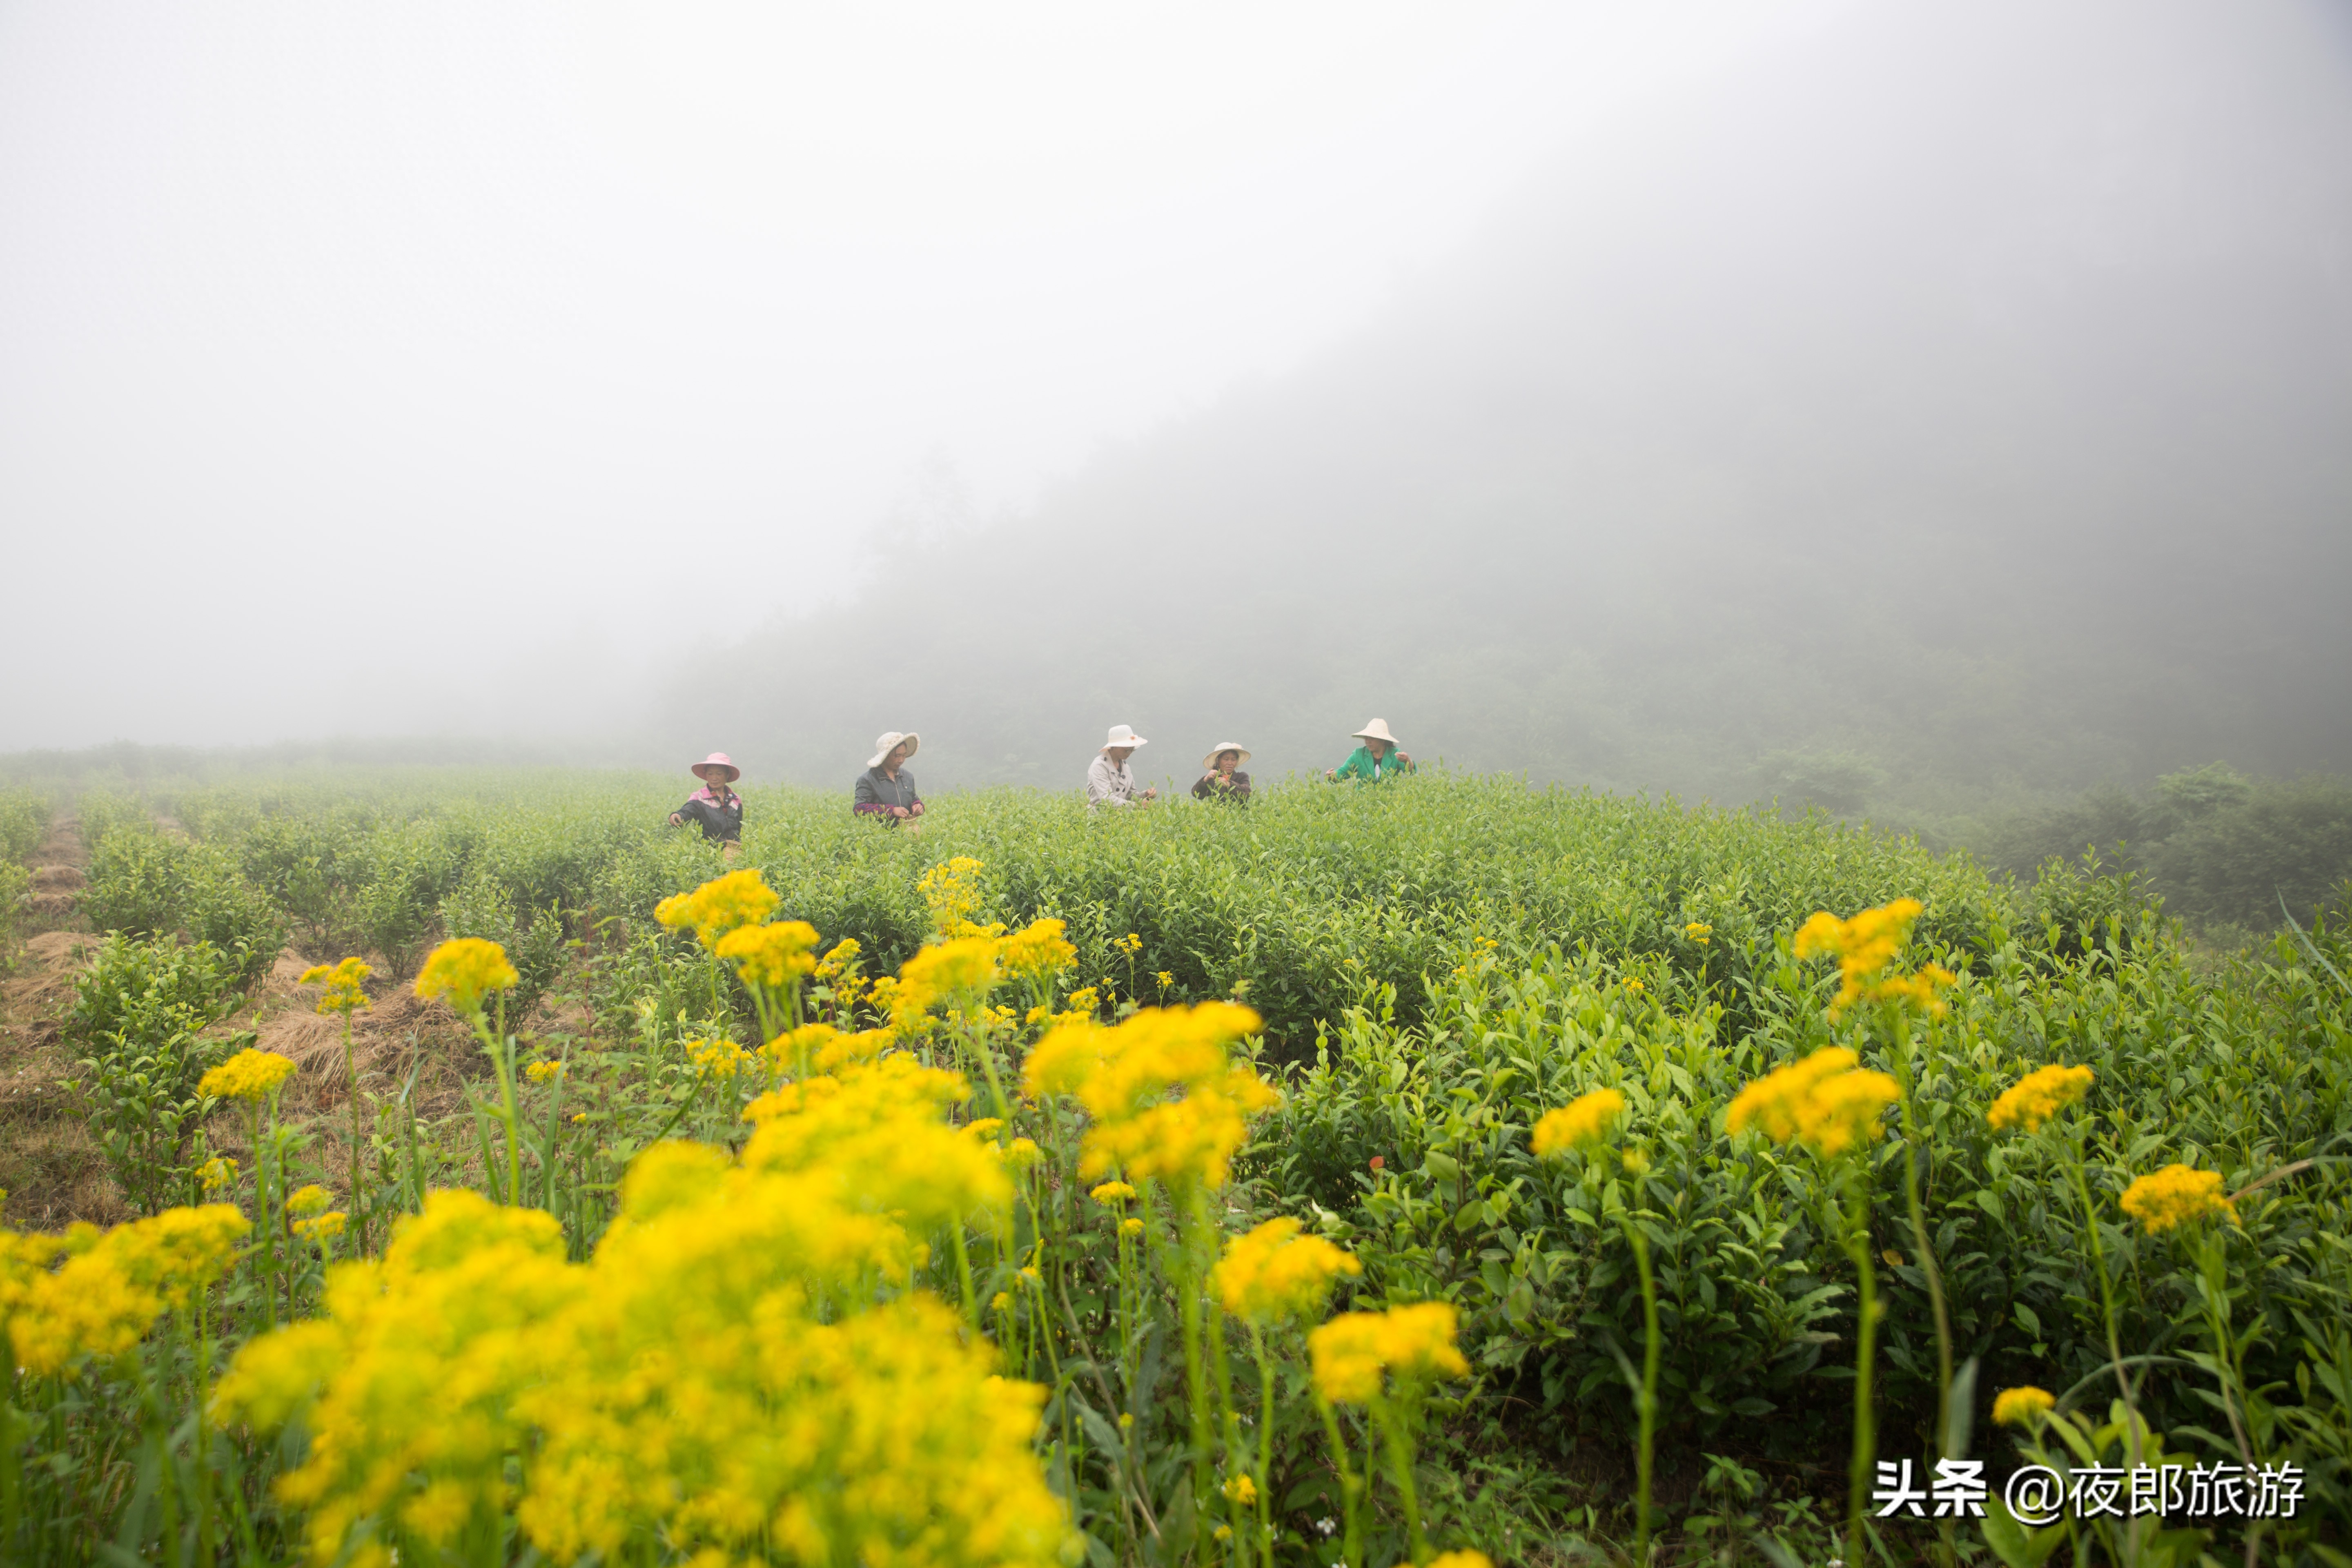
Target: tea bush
[[141, 1012]]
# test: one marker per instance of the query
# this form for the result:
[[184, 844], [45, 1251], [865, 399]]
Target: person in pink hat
[[716, 808]]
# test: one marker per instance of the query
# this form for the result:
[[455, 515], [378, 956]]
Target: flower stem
[[1865, 1442], [1649, 1396]]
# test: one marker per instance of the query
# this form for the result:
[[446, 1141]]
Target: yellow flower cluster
[[1863, 947], [718, 906], [112, 1287], [465, 971], [2038, 1096], [306, 1201], [953, 892], [2022, 1406], [1465, 1558], [772, 955], [1415, 1343], [543, 1072], [1242, 1488], [1698, 931], [1275, 1275], [1112, 1194], [1037, 952], [320, 1227], [960, 972], [1124, 1076], [1582, 1124], [249, 1075], [342, 982], [838, 958], [717, 1058], [740, 1369], [1822, 1102], [217, 1172], [2177, 1195]]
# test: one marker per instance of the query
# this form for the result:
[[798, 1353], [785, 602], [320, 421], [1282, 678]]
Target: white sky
[[424, 367]]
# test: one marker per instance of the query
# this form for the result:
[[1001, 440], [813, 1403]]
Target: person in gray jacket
[[1110, 781], [886, 790]]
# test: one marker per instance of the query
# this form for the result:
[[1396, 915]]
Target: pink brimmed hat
[[715, 761]]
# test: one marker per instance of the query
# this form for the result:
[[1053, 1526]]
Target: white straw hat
[[1124, 735], [888, 739], [1220, 748], [1377, 729]]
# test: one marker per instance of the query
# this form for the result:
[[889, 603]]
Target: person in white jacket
[[1110, 781]]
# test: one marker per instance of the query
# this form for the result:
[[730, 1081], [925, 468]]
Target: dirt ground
[[52, 1168]]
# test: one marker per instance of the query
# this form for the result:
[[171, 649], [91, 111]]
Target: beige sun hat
[[888, 739], [1124, 735], [1377, 729], [1220, 748]]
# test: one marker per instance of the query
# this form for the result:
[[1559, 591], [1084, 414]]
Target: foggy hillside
[[1955, 397]]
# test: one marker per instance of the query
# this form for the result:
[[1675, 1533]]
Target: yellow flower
[[1000, 1302], [1241, 1490], [1037, 951], [217, 1172], [2022, 1406], [953, 892], [1821, 1101], [1578, 1125], [113, 1286], [1130, 944], [1084, 1000], [1698, 931], [342, 983], [960, 972], [1461, 1560], [1863, 947], [1636, 987], [1021, 1153], [1112, 1193], [1222, 1534], [308, 1200], [249, 1075], [464, 970], [1123, 1077], [2175, 1196], [838, 958], [578, 1116], [1166, 979], [543, 1072], [1415, 1343], [1130, 1226], [1636, 1162], [986, 1128], [1036, 1279], [718, 906], [772, 955], [320, 1227], [718, 1058], [2038, 1096], [1273, 1274]]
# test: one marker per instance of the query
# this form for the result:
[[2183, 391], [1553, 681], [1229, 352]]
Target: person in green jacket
[[1378, 758]]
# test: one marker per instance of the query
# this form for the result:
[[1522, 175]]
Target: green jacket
[[1360, 767]]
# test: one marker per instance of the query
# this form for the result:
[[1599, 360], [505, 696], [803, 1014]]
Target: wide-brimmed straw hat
[[702, 769], [1220, 748], [1377, 729], [887, 739], [1124, 735]]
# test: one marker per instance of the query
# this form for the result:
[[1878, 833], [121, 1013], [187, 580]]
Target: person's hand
[[1404, 756], [1151, 795], [900, 811], [676, 821], [918, 810], [1329, 776]]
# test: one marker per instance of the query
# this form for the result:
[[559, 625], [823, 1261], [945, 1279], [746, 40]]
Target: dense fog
[[1950, 398], [1898, 408]]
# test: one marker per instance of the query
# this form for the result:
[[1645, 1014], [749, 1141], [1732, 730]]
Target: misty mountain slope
[[1963, 391]]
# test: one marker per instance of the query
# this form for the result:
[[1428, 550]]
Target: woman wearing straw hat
[[1223, 779], [715, 809], [1110, 781], [1378, 758], [886, 790]]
